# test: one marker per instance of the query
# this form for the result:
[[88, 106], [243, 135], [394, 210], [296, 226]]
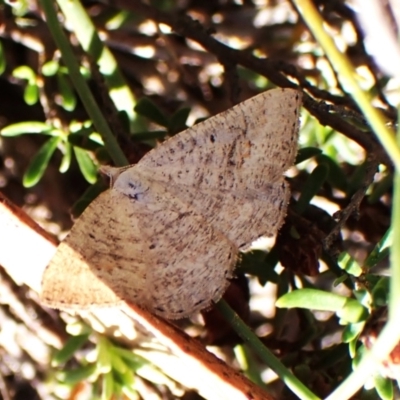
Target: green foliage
[[19, 7], [61, 140], [3, 62], [384, 387], [73, 344], [174, 124], [68, 98], [39, 162], [349, 310], [311, 187], [31, 92], [109, 368]]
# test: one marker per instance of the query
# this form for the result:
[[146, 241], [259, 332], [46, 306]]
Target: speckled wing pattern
[[167, 234]]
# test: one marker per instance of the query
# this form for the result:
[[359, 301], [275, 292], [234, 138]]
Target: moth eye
[[135, 191]]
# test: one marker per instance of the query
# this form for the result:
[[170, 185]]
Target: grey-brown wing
[[139, 243], [250, 144]]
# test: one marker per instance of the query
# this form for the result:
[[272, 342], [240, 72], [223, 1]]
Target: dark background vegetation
[[214, 56]]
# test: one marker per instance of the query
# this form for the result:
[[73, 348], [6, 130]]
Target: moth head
[[132, 184], [127, 180]]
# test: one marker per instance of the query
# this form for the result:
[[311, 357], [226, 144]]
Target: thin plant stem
[[85, 31], [346, 74], [390, 335], [294, 384], [81, 86]]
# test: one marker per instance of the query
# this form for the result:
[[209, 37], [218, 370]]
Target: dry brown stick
[[354, 204], [26, 249]]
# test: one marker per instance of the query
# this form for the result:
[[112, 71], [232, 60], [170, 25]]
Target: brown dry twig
[[352, 207]]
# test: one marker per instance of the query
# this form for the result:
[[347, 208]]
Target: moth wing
[[250, 144], [192, 264], [104, 245], [189, 260], [230, 167], [243, 215], [149, 248], [164, 250]]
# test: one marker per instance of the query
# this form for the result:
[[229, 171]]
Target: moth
[[167, 233]]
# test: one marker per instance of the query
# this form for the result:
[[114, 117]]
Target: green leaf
[[312, 299], [352, 312], [352, 331], [381, 250], [384, 387], [125, 378], [67, 94], [260, 264], [19, 8], [50, 68], [21, 128], [381, 188], [129, 392], [117, 19], [82, 141], [380, 292], [107, 389], [79, 374], [133, 360], [340, 279], [31, 94], [357, 179], [104, 355], [336, 176], [311, 187], [73, 344], [177, 122], [66, 160], [348, 309], [118, 364], [77, 328], [90, 194], [152, 374], [86, 165], [349, 264], [39, 163], [123, 117], [151, 111], [3, 61], [24, 72], [306, 153], [353, 348], [359, 353]]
